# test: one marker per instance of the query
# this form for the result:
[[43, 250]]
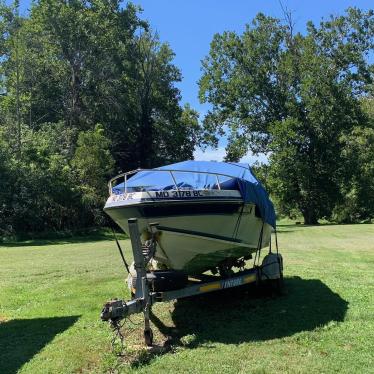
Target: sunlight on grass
[[51, 297]]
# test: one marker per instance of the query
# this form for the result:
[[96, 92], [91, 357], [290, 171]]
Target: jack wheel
[[148, 337]]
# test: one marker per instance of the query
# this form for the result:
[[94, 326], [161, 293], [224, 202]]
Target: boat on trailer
[[194, 216], [184, 219]]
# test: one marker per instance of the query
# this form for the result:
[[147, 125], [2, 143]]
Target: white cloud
[[250, 158], [210, 154], [218, 154]]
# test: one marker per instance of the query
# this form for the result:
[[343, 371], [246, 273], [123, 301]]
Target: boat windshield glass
[[166, 180]]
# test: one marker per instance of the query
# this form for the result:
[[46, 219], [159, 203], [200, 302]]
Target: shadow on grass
[[241, 315], [21, 339], [99, 236]]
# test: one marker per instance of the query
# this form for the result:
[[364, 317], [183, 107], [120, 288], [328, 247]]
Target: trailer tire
[[148, 337], [275, 286], [278, 285]]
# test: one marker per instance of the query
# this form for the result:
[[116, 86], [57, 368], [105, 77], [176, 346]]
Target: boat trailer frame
[[115, 310]]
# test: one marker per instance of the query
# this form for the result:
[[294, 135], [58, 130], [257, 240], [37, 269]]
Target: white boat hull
[[194, 235]]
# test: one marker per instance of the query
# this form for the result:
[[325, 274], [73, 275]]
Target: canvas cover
[[193, 175]]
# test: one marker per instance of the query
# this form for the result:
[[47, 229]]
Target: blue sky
[[189, 25]]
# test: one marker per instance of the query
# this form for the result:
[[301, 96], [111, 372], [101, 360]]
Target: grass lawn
[[51, 294]]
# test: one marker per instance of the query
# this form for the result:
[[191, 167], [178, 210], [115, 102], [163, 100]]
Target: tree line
[[88, 90]]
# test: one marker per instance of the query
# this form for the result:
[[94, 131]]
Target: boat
[[194, 216]]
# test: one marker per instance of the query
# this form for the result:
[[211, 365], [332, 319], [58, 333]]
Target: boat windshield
[[164, 180]]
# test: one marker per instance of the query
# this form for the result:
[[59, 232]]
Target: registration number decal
[[181, 193], [124, 197], [158, 195]]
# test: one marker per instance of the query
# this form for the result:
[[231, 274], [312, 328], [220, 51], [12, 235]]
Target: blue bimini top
[[193, 175]]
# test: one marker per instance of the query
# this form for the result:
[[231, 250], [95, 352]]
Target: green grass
[[51, 296]]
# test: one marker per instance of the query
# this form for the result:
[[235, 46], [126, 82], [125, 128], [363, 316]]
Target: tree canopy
[[87, 90], [295, 97]]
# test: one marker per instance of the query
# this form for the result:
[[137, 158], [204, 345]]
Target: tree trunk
[[145, 143], [310, 216]]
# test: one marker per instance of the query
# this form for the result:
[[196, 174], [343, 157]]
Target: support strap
[[120, 250], [259, 245], [276, 240]]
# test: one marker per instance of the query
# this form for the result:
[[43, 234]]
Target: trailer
[[145, 295]]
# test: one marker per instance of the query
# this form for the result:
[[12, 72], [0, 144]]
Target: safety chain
[[117, 335]]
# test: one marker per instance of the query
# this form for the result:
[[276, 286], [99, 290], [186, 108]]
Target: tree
[[357, 186], [39, 187], [164, 131], [6, 186], [294, 97], [88, 62], [175, 140], [157, 96], [11, 49], [74, 54], [93, 163]]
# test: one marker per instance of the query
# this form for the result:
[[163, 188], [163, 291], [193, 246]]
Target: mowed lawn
[[51, 294]]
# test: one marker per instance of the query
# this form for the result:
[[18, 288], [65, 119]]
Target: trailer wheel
[[277, 285], [148, 337]]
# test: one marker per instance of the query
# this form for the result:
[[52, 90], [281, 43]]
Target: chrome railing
[[125, 177]]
